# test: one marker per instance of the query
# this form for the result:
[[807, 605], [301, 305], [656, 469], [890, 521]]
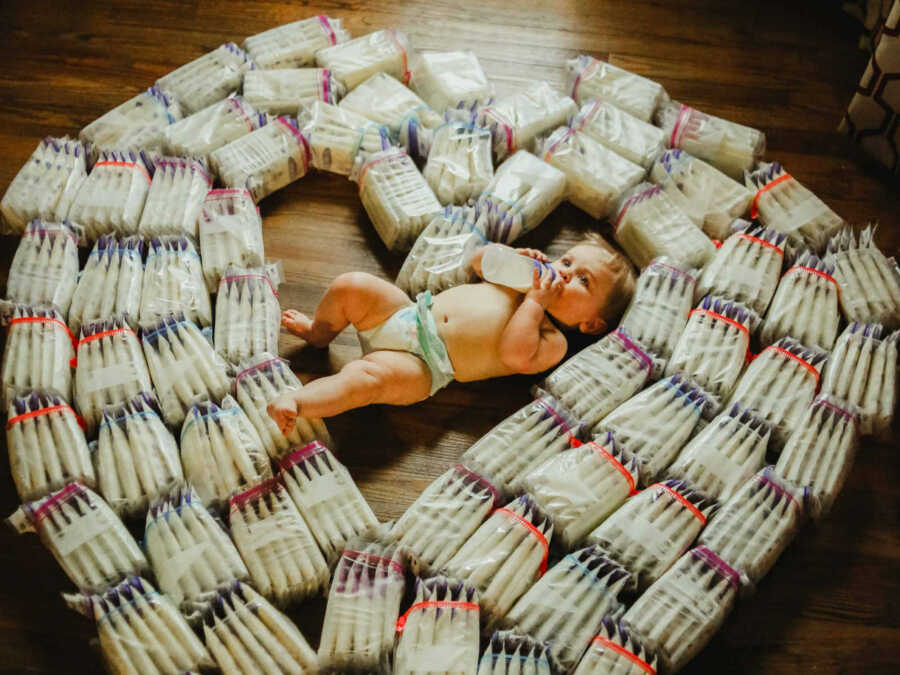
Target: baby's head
[[599, 283]]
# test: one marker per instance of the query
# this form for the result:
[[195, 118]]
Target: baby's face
[[588, 282]]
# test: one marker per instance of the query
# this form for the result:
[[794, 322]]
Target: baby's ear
[[594, 326]]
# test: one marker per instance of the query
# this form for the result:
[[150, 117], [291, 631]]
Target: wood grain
[[829, 606]]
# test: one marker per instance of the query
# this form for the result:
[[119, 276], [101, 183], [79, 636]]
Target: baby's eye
[[566, 262], [583, 279]]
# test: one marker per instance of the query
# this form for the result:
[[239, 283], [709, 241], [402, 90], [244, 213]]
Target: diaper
[[412, 329]]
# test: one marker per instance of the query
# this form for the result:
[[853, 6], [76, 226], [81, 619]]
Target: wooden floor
[[831, 604]]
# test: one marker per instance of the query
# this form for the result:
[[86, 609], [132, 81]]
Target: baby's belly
[[474, 348], [474, 361], [470, 319]]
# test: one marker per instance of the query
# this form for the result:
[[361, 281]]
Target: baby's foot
[[303, 327], [297, 323]]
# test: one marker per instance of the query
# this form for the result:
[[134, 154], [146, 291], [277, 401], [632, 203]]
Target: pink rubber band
[[682, 118], [326, 26], [585, 72], [265, 487]]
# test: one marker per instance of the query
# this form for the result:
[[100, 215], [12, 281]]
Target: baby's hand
[[545, 286], [533, 253], [284, 411]]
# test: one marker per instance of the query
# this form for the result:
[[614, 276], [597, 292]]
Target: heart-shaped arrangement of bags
[[608, 526]]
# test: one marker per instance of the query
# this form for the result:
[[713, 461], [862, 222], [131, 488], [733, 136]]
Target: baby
[[469, 332]]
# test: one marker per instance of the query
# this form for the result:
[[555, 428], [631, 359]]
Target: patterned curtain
[[872, 118]]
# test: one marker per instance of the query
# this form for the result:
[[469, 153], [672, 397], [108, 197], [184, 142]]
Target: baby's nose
[[565, 274]]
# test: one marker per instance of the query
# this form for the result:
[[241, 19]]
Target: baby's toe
[[295, 322]]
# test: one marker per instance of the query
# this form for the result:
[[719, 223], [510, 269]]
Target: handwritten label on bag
[[233, 225], [327, 487], [175, 567], [111, 376], [74, 535]]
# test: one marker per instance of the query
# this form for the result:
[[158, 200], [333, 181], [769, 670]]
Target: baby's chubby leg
[[391, 377], [354, 298]]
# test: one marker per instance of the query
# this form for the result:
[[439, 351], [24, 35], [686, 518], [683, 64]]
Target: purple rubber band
[[719, 566], [633, 347]]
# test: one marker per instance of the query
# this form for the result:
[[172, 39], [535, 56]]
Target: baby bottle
[[502, 265]]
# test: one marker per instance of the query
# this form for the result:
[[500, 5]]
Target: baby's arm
[[530, 343]]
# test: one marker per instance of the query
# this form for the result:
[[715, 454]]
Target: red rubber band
[[754, 205], [808, 366], [617, 465], [45, 411], [813, 270], [103, 334], [542, 540], [636, 660], [690, 507], [757, 240], [722, 317], [45, 319], [452, 604], [406, 73]]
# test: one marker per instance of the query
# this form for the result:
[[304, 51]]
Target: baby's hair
[[624, 279]]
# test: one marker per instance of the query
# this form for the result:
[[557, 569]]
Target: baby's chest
[[474, 322], [479, 308]]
